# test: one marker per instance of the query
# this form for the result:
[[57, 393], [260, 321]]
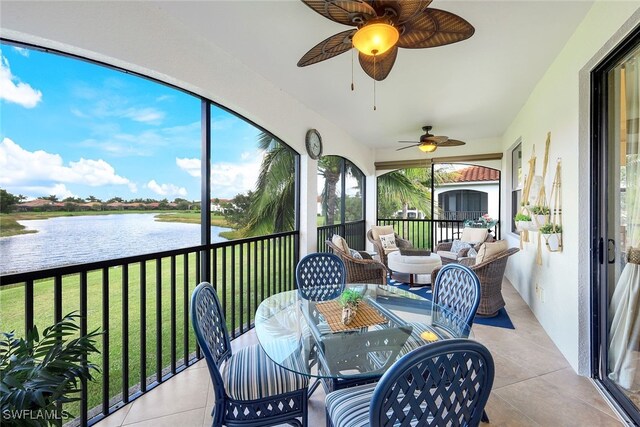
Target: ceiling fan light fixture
[[427, 147], [375, 38]]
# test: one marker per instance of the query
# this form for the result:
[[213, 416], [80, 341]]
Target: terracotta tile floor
[[534, 385]]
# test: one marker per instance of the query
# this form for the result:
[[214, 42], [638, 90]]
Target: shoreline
[[9, 225]]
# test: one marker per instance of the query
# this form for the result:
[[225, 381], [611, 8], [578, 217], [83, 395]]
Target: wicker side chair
[[490, 272], [400, 243], [361, 270]]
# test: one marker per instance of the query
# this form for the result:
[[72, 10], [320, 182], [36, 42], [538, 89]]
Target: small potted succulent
[[349, 301], [540, 215], [523, 222]]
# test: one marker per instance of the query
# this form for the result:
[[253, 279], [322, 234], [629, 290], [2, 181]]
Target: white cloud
[[35, 168], [13, 90], [229, 179], [144, 115], [35, 191], [22, 51], [190, 166], [166, 189]]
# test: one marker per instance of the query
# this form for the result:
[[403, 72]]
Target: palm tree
[[329, 167], [273, 207]]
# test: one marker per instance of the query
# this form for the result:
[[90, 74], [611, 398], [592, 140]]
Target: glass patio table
[[297, 335]]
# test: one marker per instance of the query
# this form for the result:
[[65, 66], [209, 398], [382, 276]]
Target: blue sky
[[72, 128]]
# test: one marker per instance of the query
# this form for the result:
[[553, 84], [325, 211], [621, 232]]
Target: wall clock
[[313, 143]]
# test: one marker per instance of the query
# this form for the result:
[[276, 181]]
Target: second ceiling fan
[[429, 143]]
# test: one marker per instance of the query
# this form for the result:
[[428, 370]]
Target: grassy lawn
[[10, 227], [240, 292]]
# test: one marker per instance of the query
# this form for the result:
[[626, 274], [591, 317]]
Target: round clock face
[[314, 144]]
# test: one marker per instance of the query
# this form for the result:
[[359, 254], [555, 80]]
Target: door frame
[[598, 222]]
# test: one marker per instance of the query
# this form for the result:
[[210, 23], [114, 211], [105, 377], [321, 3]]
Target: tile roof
[[477, 173]]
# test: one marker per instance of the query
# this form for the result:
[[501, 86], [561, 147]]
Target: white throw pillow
[[340, 243], [388, 242], [355, 254], [491, 249], [379, 230], [476, 235], [472, 253]]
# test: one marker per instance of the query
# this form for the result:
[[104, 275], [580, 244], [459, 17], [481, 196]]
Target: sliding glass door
[[616, 215]]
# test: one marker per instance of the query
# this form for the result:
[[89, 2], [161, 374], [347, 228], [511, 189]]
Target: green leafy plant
[[540, 210], [39, 373], [350, 297], [522, 217], [549, 229]]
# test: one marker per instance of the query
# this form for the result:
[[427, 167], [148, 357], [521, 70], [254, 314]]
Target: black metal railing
[[353, 232], [460, 215], [142, 305], [427, 233]]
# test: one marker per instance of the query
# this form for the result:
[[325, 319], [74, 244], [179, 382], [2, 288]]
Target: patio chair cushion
[[250, 375], [491, 249], [340, 243], [350, 406], [378, 230], [475, 235], [459, 245]]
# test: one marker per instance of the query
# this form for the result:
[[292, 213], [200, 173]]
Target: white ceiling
[[469, 90]]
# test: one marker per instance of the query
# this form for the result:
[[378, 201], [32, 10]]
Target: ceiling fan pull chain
[[374, 82], [352, 53]]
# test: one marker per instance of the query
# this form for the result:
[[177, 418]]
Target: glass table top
[[296, 335]]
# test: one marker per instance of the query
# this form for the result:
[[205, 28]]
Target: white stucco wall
[[138, 37], [557, 104]]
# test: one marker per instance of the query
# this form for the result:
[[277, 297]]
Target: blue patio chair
[[250, 389], [446, 383], [457, 290], [320, 276]]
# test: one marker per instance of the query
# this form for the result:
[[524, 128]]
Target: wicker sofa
[[490, 272], [361, 270]]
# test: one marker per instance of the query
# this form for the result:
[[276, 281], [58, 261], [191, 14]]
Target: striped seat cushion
[[350, 406], [250, 375]]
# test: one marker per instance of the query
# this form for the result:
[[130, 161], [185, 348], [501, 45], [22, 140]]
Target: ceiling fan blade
[[408, 146], [452, 143], [383, 63], [328, 48], [342, 11], [410, 142], [434, 27], [405, 9], [436, 139]]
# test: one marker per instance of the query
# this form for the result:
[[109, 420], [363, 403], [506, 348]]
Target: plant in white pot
[[523, 222], [552, 234], [349, 301], [540, 215]]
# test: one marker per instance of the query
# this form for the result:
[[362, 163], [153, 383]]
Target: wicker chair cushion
[[470, 234], [340, 243], [378, 230], [491, 249], [250, 375]]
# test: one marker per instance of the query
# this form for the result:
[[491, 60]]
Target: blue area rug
[[502, 320]]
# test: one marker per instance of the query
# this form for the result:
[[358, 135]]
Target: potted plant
[[523, 222], [38, 373], [540, 215], [552, 234], [349, 301]]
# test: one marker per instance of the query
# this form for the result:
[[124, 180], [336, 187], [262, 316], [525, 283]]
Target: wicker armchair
[[400, 243], [490, 272], [446, 247], [361, 270]]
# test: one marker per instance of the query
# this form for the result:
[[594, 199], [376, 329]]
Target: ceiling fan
[[428, 142], [382, 27]]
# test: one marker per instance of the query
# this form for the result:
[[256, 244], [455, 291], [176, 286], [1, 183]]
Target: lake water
[[79, 239]]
